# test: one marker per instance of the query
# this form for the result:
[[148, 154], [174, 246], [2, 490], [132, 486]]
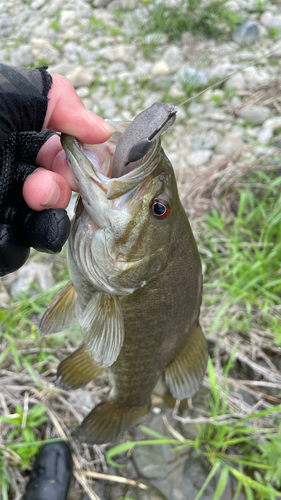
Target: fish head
[[129, 217]]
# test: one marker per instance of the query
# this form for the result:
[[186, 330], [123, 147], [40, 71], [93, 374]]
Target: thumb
[[66, 113]]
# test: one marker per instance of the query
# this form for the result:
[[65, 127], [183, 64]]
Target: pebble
[[123, 53], [276, 49], [247, 33], [198, 158], [255, 77], [273, 123], [82, 92], [264, 136], [42, 49], [255, 114], [161, 68], [265, 18], [81, 76], [274, 22], [230, 145], [32, 272], [195, 472], [236, 81], [151, 461], [192, 75], [4, 298]]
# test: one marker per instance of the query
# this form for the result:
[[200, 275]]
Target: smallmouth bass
[[136, 281]]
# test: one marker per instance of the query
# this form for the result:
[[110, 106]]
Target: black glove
[[20, 226]]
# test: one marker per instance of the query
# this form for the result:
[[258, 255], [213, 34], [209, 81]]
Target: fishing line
[[248, 65]]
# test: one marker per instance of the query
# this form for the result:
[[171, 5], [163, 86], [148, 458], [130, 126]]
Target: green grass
[[242, 253], [208, 19], [241, 450]]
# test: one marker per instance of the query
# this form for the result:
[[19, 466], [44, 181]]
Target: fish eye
[[160, 208]]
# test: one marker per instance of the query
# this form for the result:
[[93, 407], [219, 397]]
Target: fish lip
[[113, 187], [71, 143]]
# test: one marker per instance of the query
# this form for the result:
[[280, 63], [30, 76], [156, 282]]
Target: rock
[[206, 139], [196, 109], [176, 92], [62, 68], [67, 18], [101, 3], [82, 398], [230, 145], [198, 158], [173, 57], [123, 53], [161, 68], [37, 4], [151, 461], [265, 18], [247, 33], [255, 77], [29, 273], [221, 70], [4, 298], [42, 49], [192, 75], [265, 135], [82, 92], [22, 56], [81, 77], [276, 49], [275, 22], [52, 7], [151, 493], [156, 38], [236, 81], [273, 123], [43, 30], [194, 474], [255, 114], [116, 67]]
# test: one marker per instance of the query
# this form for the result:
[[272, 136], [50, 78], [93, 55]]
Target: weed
[[208, 19], [243, 261], [252, 470], [22, 426]]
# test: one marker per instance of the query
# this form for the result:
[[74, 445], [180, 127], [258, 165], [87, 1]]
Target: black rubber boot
[[51, 474]]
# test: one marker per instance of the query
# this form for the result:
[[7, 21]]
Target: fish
[[136, 278]]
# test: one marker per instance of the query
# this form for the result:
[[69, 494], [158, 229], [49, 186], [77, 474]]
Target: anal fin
[[77, 370], [107, 420], [60, 314], [185, 373]]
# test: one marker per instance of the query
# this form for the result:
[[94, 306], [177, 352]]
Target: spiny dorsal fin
[[184, 375], [60, 314], [103, 328], [77, 370], [107, 420]]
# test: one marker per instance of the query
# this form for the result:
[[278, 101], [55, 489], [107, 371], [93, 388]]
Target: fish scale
[[136, 281]]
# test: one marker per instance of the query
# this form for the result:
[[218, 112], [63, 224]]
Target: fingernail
[[98, 119], [53, 196], [107, 127]]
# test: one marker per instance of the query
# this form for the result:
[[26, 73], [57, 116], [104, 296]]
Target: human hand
[[51, 184], [33, 215]]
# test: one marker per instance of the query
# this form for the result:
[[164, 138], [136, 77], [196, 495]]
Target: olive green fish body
[[136, 281]]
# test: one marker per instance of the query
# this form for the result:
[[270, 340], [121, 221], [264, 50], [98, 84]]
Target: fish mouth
[[95, 161]]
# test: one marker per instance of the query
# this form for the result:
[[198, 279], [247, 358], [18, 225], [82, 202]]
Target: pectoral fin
[[77, 370], [184, 375], [103, 328], [60, 314], [107, 420]]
